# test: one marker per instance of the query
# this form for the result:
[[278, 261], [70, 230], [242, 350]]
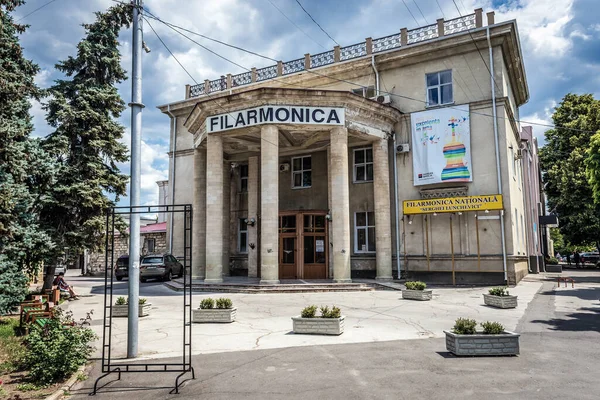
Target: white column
[[269, 205], [199, 217], [226, 217], [381, 193], [340, 209], [253, 213], [214, 209]]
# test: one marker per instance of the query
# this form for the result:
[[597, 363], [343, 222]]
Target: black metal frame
[[186, 364]]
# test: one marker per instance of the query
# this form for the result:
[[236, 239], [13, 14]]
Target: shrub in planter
[[57, 349], [330, 323], [464, 340], [415, 290], [224, 312], [499, 297], [121, 307], [553, 261], [121, 301], [207, 303]]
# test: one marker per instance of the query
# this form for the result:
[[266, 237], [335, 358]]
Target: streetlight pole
[[136, 166]]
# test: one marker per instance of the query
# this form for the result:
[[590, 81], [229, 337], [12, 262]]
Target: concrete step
[[283, 288]]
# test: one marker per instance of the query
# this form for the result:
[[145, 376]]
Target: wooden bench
[[566, 279]]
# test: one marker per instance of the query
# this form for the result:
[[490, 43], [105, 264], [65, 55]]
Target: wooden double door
[[303, 245]]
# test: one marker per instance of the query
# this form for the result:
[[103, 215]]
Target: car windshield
[[122, 262], [152, 260]]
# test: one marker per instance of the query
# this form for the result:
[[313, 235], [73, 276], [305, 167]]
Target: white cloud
[[580, 34]]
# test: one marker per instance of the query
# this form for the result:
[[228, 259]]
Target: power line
[[359, 85], [422, 15], [438, 3], [320, 27], [37, 9], [293, 23], [410, 12]]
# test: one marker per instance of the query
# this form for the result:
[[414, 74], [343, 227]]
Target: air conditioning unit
[[384, 99], [284, 167], [402, 148]]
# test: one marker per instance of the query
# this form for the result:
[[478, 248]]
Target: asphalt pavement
[[560, 333]]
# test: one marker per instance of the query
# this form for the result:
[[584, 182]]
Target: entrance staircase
[[247, 285]]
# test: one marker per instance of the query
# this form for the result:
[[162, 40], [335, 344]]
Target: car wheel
[[143, 280], [168, 276], [119, 278]]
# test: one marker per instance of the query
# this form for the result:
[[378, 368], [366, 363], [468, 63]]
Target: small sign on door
[[320, 246]]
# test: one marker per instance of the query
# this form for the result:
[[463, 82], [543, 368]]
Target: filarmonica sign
[[276, 115]]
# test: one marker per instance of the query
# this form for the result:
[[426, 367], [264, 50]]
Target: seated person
[[59, 281]]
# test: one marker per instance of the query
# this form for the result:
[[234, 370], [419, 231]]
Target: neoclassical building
[[400, 153]]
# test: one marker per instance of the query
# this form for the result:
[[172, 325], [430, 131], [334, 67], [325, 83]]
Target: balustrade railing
[[370, 46]]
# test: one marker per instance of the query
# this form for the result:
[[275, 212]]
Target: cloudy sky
[[560, 39]]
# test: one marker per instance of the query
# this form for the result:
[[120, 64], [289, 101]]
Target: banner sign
[[441, 145], [453, 204], [276, 115]]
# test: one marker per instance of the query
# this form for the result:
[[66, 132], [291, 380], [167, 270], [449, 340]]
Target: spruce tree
[[83, 111], [25, 170]]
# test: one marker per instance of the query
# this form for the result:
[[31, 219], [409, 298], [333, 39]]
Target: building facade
[[401, 153]]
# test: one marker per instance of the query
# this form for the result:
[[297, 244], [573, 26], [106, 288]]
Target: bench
[[566, 279]]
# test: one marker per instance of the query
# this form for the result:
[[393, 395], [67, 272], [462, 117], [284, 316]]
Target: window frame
[[365, 91], [363, 164], [240, 232], [301, 171], [153, 241], [439, 89], [366, 228], [243, 178]]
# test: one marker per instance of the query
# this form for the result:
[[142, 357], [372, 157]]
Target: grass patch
[[12, 350]]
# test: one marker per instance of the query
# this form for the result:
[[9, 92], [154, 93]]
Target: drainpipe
[[498, 170], [396, 204], [173, 169], [376, 79]]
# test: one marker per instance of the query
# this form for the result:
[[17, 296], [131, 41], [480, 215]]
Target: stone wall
[[319, 326], [482, 345]]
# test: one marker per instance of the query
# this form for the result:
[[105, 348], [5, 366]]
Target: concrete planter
[[554, 268], [422, 295], [319, 326], [504, 344], [123, 310], [214, 315], [500, 301]]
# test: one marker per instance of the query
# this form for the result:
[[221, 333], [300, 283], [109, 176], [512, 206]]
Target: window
[[243, 178], [301, 172], [439, 88], [367, 92], [150, 244], [363, 165], [364, 232], [243, 236]]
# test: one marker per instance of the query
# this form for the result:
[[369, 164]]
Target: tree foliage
[[25, 169], [563, 161], [83, 110]]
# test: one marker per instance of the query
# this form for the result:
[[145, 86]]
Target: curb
[[60, 392]]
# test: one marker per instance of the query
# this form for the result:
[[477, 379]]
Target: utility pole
[[134, 183]]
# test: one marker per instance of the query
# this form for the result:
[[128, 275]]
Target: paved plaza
[[392, 348]]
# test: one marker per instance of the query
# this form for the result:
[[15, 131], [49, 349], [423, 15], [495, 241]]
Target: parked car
[[160, 266], [590, 258], [122, 267], [60, 268]]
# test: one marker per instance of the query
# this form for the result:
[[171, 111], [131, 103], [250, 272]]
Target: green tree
[[563, 161], [84, 109], [25, 169]]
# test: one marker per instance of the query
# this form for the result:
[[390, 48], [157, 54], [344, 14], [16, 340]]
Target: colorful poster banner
[[453, 204], [441, 145]]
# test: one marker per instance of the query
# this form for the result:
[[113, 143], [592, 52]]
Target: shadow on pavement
[[589, 320]]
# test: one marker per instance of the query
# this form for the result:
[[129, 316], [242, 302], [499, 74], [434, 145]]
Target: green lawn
[[11, 349]]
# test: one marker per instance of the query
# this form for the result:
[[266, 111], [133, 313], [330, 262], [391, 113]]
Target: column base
[[384, 278], [217, 280], [342, 281], [269, 282]]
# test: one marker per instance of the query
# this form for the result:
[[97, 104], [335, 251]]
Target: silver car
[[160, 266]]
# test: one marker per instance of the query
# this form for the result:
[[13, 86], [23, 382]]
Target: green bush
[[121, 301], [464, 326], [553, 261], [309, 312], [492, 328], [415, 285], [335, 312], [499, 291], [142, 301], [58, 349], [12, 350], [207, 304], [224, 303]]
